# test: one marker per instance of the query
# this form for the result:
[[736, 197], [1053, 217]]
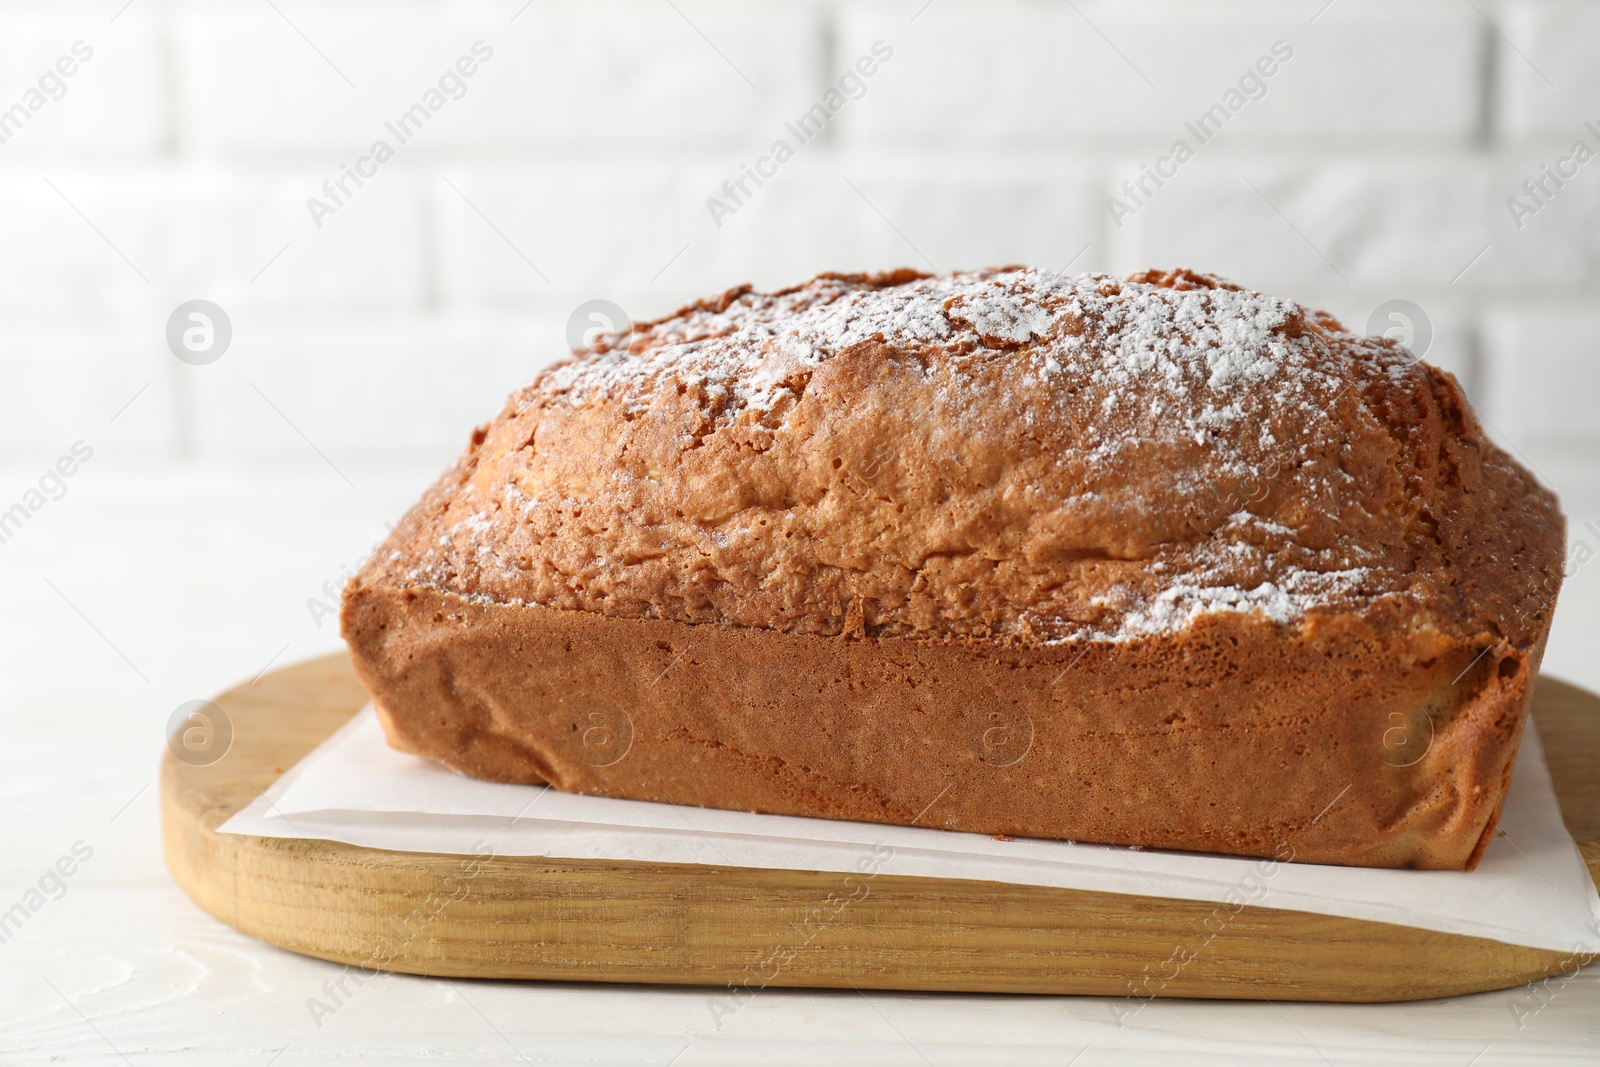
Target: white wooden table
[[142, 589]]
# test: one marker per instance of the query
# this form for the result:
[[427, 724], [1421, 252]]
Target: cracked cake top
[[1005, 454]]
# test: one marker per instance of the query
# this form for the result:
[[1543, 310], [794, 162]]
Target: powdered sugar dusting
[[1212, 341], [1003, 316], [1161, 404], [1284, 602]]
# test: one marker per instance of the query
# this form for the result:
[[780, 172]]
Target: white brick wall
[[1019, 74], [648, 241], [1373, 164], [606, 78], [1551, 83], [354, 388], [167, 233], [1544, 373], [109, 383], [112, 104]]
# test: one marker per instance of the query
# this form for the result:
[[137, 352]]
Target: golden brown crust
[[1203, 498]]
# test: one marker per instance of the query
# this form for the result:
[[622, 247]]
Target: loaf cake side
[[1244, 582]]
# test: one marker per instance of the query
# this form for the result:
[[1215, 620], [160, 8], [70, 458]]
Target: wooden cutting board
[[621, 921]]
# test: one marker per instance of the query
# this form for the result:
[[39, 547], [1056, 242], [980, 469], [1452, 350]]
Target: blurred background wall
[[1374, 163]]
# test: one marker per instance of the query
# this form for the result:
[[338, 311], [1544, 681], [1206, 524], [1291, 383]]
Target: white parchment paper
[[1532, 887]]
